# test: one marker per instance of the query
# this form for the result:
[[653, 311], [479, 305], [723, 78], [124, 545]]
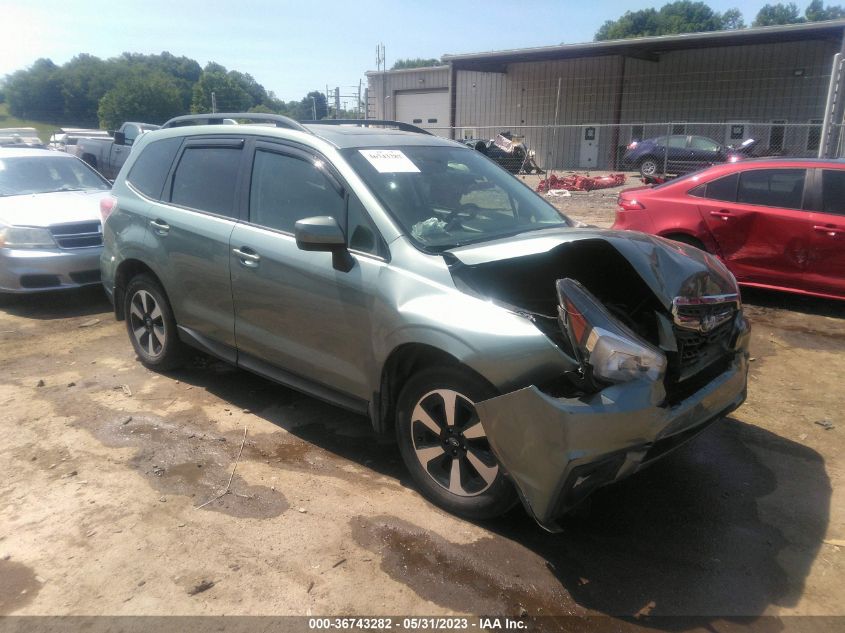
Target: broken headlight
[[606, 349]]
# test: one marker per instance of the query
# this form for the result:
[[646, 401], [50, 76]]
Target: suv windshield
[[46, 174], [448, 196]]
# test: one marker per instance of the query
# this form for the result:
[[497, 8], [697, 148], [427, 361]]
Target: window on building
[[777, 132], [286, 189], [814, 135], [782, 188], [637, 132], [205, 179]]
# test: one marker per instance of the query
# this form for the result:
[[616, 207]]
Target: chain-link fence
[[653, 149]]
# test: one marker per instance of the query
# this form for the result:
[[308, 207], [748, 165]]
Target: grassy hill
[[7, 120]]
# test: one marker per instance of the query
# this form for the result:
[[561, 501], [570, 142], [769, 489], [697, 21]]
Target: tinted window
[[150, 170], [704, 144], [286, 189], [833, 191], [363, 235], [782, 188], [677, 142], [205, 179], [723, 188]]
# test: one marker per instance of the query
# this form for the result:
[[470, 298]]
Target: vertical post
[[213, 103], [831, 104], [554, 152], [337, 103], [666, 153]]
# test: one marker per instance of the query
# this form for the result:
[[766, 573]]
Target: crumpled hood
[[669, 268], [45, 209]]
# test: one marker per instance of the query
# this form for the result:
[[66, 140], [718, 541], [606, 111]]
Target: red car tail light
[[632, 144], [107, 205]]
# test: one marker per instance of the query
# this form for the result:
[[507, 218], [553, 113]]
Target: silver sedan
[[50, 227]]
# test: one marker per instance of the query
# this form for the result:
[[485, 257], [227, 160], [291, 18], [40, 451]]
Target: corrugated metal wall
[[758, 83]]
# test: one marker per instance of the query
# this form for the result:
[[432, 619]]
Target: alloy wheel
[[451, 444], [147, 323]]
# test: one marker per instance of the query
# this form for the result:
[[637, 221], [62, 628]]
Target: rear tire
[[689, 240], [444, 445], [649, 167], [151, 325]]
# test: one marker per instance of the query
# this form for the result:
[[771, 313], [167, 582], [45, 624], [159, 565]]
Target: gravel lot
[[103, 465]]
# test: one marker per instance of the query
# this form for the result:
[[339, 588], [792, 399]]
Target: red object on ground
[[775, 223], [580, 183]]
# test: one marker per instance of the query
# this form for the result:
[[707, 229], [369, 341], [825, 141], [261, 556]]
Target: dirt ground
[[106, 471]]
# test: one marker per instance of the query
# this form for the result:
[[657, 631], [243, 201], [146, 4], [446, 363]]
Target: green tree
[[228, 93], [36, 93], [148, 96], [817, 12], [682, 16], [773, 14], [416, 62], [313, 102]]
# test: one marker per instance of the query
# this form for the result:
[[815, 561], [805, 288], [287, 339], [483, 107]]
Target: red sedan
[[776, 223]]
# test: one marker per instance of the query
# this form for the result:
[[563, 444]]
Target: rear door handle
[[725, 215], [832, 231], [160, 226], [247, 256]]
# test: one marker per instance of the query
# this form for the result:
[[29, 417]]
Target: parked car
[[775, 223], [107, 155], [20, 137], [409, 278], [65, 139], [50, 232], [686, 153]]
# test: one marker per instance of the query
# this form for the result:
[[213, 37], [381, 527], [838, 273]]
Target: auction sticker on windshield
[[389, 161]]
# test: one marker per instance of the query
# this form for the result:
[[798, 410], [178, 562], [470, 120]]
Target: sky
[[292, 48]]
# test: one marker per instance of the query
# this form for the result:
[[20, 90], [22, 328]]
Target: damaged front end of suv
[[658, 346]]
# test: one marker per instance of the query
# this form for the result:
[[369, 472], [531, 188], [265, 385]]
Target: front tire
[[445, 447], [151, 325]]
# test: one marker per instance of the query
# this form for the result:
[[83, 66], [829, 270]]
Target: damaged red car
[[776, 223]]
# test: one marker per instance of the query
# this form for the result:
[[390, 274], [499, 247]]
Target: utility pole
[[314, 108], [213, 103]]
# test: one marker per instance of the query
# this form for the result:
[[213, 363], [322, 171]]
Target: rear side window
[[677, 142], [723, 188], [833, 191], [205, 179], [286, 189], [150, 170], [704, 144], [782, 188]]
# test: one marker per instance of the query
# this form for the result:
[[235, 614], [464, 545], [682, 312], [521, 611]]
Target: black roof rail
[[399, 125], [219, 118]]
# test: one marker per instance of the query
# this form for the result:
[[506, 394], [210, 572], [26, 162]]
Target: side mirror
[[323, 233], [119, 138]]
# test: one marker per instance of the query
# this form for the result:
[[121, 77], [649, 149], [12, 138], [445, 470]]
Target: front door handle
[[160, 226], [247, 257], [725, 215], [832, 231]]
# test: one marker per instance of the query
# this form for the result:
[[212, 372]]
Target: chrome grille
[[78, 234], [703, 328]]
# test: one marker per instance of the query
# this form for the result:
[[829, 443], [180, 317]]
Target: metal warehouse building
[[579, 105]]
